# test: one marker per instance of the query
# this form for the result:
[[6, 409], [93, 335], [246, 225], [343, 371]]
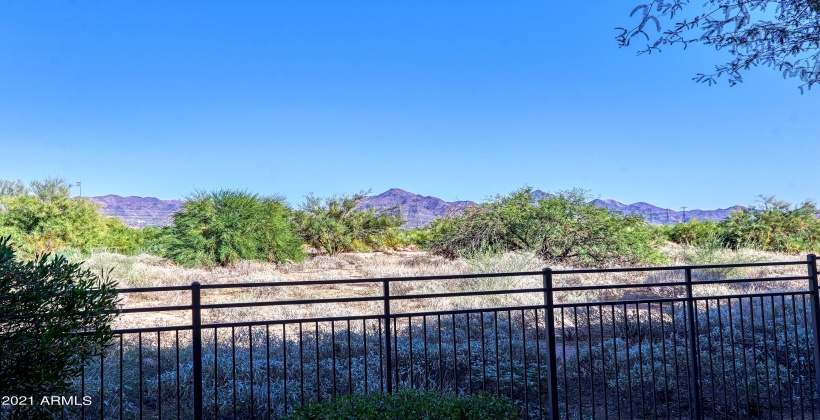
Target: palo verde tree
[[43, 303], [337, 224], [43, 217], [781, 34], [224, 226]]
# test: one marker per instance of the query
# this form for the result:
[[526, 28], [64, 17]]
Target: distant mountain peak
[[138, 212], [417, 210]]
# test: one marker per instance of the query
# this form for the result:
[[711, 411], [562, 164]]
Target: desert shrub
[[43, 303], [10, 188], [564, 227], [410, 404], [712, 250], [776, 226], [125, 239], [44, 218], [222, 227], [336, 224], [419, 237], [694, 232]]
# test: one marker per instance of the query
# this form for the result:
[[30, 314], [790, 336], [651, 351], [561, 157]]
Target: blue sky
[[459, 100]]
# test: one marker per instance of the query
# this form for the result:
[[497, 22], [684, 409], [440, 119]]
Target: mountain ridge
[[416, 209]]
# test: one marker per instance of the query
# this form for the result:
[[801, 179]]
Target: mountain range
[[416, 209]]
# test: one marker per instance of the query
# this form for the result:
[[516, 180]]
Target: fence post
[[196, 324], [552, 382], [694, 366], [387, 346], [815, 318]]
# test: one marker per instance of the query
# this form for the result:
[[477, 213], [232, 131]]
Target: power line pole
[[684, 213], [80, 185]]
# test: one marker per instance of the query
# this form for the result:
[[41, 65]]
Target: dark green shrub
[[336, 225], [564, 227], [222, 227], [410, 404], [43, 302]]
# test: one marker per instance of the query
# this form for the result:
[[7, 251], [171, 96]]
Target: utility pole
[[80, 185], [667, 216], [684, 213]]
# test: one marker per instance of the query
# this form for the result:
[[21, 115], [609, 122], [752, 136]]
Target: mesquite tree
[[781, 34]]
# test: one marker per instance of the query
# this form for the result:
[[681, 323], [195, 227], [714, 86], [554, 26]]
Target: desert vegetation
[[42, 217], [217, 239], [773, 225], [565, 227], [224, 228], [335, 225]]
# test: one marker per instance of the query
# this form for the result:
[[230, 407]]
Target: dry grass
[[222, 371], [148, 271]]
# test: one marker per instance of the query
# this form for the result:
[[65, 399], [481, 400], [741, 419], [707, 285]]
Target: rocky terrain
[[416, 209]]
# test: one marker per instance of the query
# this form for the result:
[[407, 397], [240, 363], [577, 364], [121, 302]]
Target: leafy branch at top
[[781, 34]]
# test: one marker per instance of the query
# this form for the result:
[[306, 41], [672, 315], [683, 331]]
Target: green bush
[[410, 404], [777, 226], [565, 227], [44, 218], [695, 232], [774, 226], [336, 225], [397, 238], [43, 303], [222, 227]]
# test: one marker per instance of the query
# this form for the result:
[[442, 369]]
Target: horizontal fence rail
[[679, 345]]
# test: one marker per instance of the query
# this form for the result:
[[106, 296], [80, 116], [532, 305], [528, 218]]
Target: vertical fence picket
[[694, 366], [196, 343], [815, 321], [387, 346], [552, 382]]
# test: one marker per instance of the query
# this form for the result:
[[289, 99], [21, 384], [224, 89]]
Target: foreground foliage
[[43, 302], [410, 404], [565, 227], [225, 226]]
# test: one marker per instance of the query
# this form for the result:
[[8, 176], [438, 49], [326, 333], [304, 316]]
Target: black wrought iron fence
[[672, 347]]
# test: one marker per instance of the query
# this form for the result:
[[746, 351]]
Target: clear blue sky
[[459, 100]]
